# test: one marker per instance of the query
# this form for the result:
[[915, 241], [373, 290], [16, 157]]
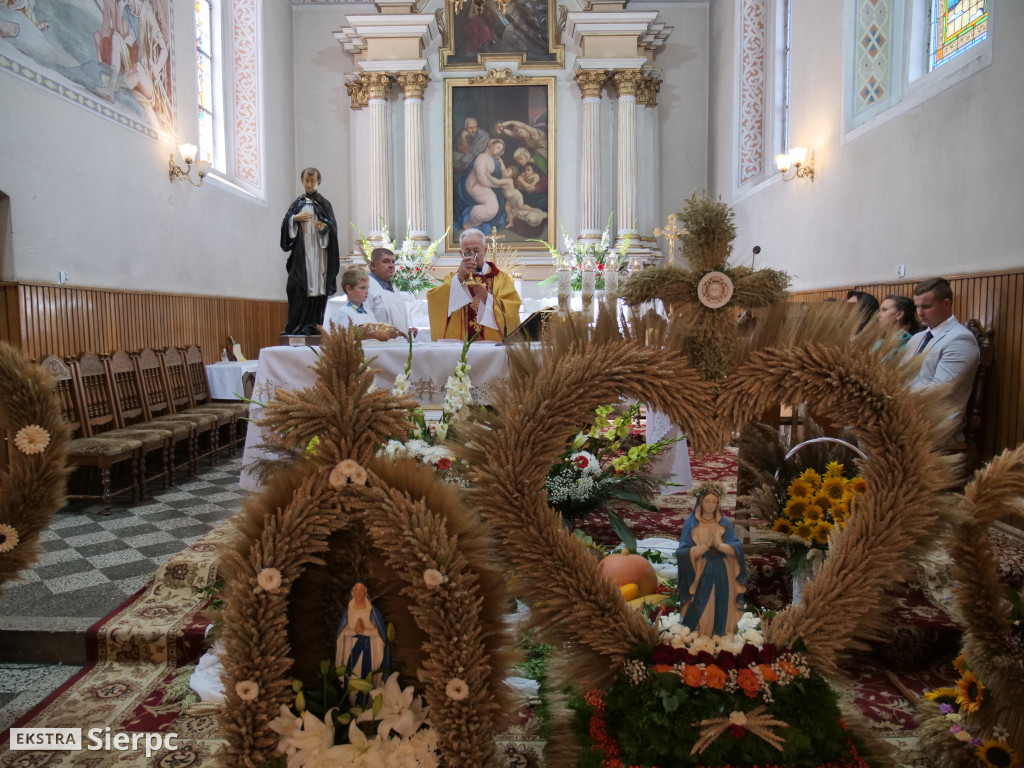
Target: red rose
[[683, 656], [767, 654], [581, 461], [727, 660], [703, 657], [663, 654], [747, 656], [444, 463], [737, 731]]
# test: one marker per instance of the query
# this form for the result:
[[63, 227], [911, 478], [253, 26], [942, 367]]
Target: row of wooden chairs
[[127, 407]]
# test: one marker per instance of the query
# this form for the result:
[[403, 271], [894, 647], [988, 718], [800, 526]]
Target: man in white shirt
[[950, 349], [386, 302]]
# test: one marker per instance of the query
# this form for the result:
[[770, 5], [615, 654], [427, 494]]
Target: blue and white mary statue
[[362, 644]]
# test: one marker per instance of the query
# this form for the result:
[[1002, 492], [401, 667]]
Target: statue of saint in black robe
[[313, 260]]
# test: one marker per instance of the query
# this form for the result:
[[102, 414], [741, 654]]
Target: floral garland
[[428, 442], [966, 697], [32, 485]]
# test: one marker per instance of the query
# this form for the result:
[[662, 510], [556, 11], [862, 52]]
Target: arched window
[[229, 110]]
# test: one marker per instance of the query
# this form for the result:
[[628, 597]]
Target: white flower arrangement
[[413, 270], [402, 737], [672, 632]]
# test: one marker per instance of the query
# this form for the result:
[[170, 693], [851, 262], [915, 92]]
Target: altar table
[[432, 363], [226, 378]]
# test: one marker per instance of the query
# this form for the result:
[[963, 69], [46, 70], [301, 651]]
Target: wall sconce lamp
[[188, 154], [795, 160]]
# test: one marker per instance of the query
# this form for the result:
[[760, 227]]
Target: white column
[[590, 83], [377, 85], [649, 179], [413, 85], [626, 82]]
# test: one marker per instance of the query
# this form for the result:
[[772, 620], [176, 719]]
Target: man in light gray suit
[[950, 349]]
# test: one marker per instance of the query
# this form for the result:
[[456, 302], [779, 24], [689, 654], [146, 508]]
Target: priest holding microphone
[[477, 301]]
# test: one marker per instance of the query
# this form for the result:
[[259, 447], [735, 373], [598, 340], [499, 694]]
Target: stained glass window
[[957, 25], [204, 76]]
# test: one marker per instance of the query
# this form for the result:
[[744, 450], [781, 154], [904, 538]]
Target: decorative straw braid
[[996, 492], [900, 515], [32, 486], [400, 523], [510, 450]]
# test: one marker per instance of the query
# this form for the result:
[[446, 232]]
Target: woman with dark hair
[[867, 305], [898, 315]]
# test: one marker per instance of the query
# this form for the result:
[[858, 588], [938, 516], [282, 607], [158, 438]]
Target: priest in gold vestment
[[477, 301]]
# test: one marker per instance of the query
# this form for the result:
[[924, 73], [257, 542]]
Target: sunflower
[[858, 485], [960, 663], [813, 513], [834, 469], [942, 695], [997, 754], [800, 489], [782, 525], [833, 487], [824, 502], [803, 529], [795, 508], [812, 477], [821, 532], [970, 692]]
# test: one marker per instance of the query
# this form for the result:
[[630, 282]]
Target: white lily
[[360, 751], [401, 710]]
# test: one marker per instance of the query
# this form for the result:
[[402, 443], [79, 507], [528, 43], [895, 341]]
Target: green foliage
[[534, 666], [657, 723]]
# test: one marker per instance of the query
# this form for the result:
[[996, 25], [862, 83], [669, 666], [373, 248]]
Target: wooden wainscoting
[[996, 300], [63, 320]]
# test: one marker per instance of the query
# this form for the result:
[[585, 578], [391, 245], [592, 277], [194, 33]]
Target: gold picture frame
[[475, 32], [509, 190]]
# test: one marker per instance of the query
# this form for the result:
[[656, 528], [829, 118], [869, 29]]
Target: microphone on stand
[[757, 250]]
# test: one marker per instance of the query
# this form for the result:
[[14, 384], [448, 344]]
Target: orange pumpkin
[[627, 568]]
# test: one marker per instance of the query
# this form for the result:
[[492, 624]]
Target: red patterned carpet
[[138, 649]]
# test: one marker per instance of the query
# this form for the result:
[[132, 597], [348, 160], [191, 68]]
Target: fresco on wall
[[111, 56], [499, 158]]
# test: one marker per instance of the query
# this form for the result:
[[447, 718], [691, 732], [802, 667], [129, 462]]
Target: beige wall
[[938, 188], [93, 199]]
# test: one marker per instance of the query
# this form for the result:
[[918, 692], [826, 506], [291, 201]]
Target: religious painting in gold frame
[[475, 32], [500, 158]]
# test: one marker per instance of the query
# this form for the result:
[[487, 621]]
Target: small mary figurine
[[712, 570], [362, 644]]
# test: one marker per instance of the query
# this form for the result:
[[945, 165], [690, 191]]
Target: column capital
[[356, 93], [377, 84], [647, 90], [591, 81], [413, 84], [627, 81]]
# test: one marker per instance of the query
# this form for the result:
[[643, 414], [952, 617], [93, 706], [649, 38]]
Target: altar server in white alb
[[950, 351], [386, 302], [353, 307]]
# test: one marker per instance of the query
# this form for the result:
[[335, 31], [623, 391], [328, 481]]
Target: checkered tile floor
[[93, 562]]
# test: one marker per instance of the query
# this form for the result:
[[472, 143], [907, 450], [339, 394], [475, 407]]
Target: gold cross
[[671, 232], [494, 237]]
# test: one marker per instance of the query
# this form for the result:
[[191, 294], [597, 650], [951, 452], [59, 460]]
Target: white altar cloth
[[432, 363], [226, 378]]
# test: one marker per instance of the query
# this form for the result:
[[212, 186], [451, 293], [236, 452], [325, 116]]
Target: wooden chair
[[157, 403], [974, 418], [132, 410], [92, 377], [85, 450], [199, 388]]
